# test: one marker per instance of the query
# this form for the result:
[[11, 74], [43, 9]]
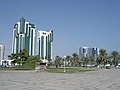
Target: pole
[[64, 67]]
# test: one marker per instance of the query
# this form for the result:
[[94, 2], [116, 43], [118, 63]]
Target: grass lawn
[[22, 67], [67, 69], [49, 69]]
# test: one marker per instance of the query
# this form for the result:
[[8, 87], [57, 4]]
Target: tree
[[33, 59], [91, 60], [75, 59], [19, 58], [115, 57], [85, 61], [98, 60], [23, 56], [58, 61], [13, 57], [68, 58], [75, 55], [102, 56]]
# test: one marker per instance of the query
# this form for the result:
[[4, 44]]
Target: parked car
[[118, 66], [107, 66]]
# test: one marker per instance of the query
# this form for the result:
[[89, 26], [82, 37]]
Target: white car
[[118, 67]]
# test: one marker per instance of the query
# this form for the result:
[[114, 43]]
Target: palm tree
[[98, 60], [58, 61], [75, 59], [68, 59], [119, 58], [86, 61], [91, 60], [102, 56], [115, 57]]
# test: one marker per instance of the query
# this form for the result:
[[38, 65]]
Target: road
[[103, 79]]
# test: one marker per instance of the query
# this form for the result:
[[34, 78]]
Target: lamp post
[[64, 63], [5, 62], [19, 61]]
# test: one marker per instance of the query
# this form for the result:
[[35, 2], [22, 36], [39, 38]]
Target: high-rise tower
[[24, 37], [45, 40], [2, 53], [88, 52]]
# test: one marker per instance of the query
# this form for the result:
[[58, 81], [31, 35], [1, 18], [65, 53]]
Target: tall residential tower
[[45, 40], [24, 37]]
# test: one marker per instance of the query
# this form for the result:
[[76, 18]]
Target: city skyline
[[76, 23]]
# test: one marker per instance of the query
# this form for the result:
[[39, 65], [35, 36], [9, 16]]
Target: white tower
[[2, 53], [45, 40]]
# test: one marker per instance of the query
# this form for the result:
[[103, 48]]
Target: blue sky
[[76, 23]]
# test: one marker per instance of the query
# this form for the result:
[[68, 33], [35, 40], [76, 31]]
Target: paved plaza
[[103, 79]]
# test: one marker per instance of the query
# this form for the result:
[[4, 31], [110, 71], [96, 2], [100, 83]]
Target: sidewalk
[[103, 79]]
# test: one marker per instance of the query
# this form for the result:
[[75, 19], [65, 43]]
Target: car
[[118, 66], [107, 66]]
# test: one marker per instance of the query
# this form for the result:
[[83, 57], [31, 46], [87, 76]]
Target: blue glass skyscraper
[[24, 37]]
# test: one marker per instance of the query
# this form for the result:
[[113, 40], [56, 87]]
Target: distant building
[[45, 40], [24, 37], [88, 52], [6, 63], [2, 53]]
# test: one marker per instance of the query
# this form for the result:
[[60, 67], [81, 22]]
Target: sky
[[76, 23]]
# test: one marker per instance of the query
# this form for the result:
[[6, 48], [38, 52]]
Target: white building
[[2, 53], [6, 63], [45, 40]]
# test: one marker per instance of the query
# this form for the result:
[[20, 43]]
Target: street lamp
[[64, 63]]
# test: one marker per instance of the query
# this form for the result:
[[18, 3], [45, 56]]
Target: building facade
[[2, 53], [24, 37], [45, 40], [88, 52]]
